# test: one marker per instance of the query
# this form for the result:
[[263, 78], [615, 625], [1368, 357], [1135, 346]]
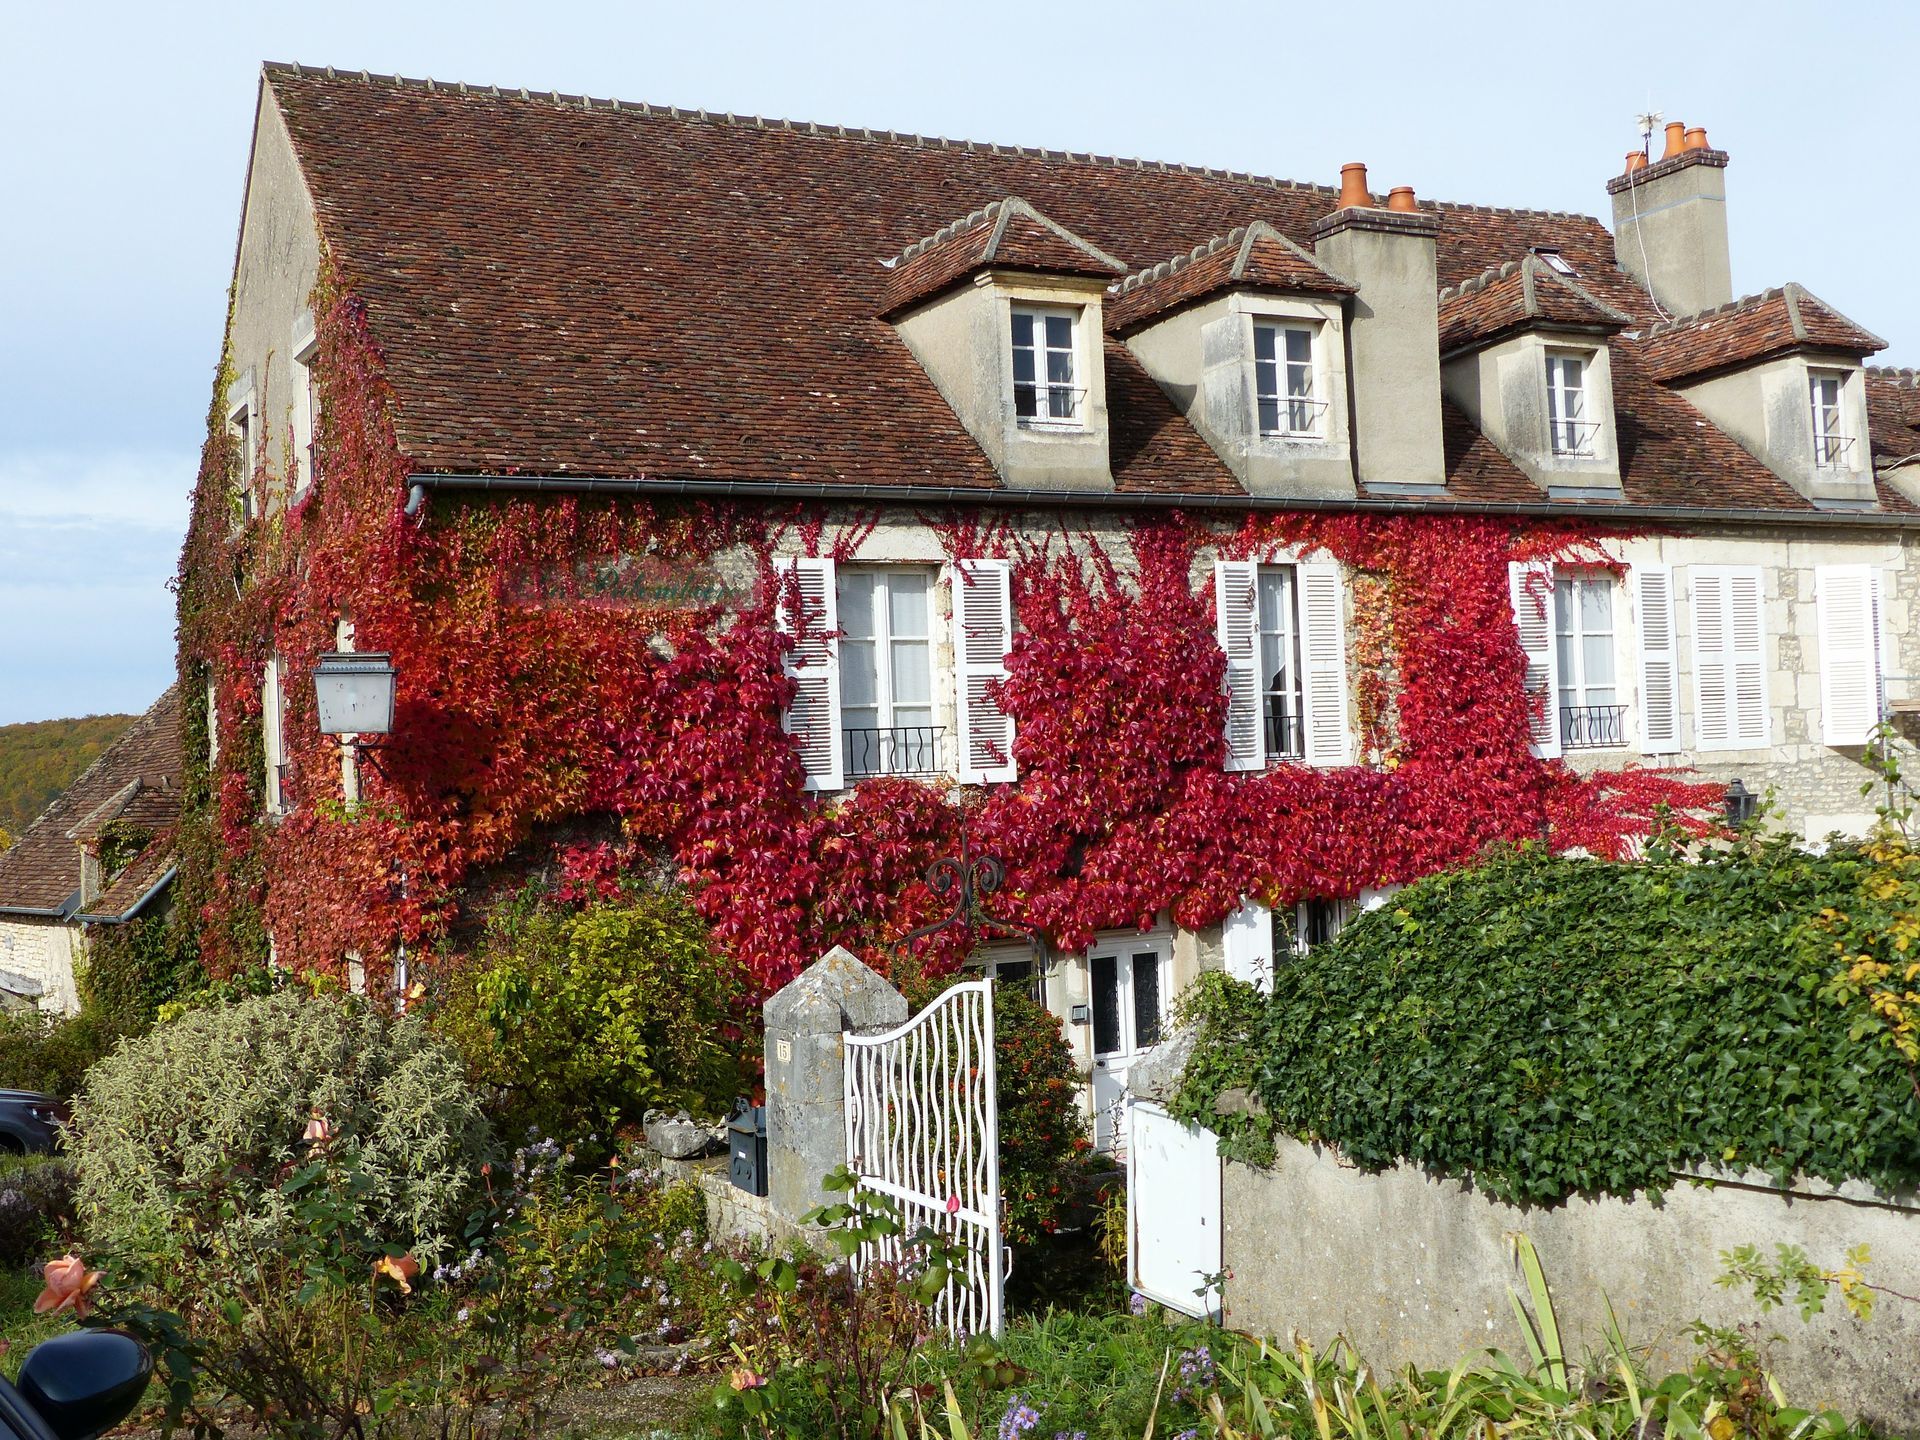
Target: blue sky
[[126, 129]]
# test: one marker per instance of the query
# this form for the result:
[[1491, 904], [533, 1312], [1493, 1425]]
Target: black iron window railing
[[1285, 734], [1592, 727], [897, 750]]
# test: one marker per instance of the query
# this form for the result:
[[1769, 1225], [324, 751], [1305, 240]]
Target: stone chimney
[[1393, 336], [1670, 223]]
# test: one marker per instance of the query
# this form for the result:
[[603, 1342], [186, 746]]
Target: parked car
[[31, 1123]]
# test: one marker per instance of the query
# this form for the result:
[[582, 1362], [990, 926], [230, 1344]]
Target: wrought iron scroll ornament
[[965, 881]]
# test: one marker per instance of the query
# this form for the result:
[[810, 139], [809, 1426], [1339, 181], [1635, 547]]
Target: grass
[[20, 1328]]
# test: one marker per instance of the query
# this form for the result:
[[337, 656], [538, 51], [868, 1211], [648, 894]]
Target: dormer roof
[[1893, 415], [1249, 257], [1522, 294], [1750, 329], [1008, 234]]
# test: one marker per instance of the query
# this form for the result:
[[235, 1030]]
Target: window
[[240, 427], [306, 416], [1016, 969], [1567, 424], [1830, 440], [1282, 707], [1283, 381], [1555, 260], [1283, 628], [1044, 392], [1319, 922], [272, 725], [1591, 715], [886, 672]]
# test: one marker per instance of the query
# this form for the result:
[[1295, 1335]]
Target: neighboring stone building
[[581, 297], [101, 854]]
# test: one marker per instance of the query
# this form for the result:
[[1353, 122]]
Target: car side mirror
[[86, 1382]]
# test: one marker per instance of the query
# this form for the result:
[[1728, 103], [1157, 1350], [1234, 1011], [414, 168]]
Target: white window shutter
[[1753, 722], [272, 721], [1659, 660], [1845, 600], [1323, 640], [814, 663], [1729, 659], [1246, 939], [982, 635], [1530, 585], [1236, 616]]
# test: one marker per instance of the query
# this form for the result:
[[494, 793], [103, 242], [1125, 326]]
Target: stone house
[[101, 855], [584, 297]]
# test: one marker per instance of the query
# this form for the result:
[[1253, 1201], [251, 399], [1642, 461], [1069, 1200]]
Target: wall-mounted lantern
[[354, 691], [1740, 804]]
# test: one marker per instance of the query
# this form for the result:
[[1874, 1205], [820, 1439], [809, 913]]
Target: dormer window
[[1044, 392], [1567, 424], [1284, 382], [1830, 440]]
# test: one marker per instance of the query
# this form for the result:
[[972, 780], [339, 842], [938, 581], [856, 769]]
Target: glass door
[[1129, 1012]]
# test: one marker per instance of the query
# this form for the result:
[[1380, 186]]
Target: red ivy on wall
[[516, 713]]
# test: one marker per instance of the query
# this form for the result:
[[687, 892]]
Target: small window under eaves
[[1555, 260]]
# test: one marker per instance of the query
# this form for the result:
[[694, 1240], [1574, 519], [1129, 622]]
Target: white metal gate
[[1173, 1210], [923, 1130]]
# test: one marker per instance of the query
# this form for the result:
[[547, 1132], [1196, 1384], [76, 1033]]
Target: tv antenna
[[1648, 121]]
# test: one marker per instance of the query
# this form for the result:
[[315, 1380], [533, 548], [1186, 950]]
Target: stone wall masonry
[[1416, 1270]]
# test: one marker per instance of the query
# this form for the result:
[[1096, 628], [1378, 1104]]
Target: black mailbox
[[747, 1148]]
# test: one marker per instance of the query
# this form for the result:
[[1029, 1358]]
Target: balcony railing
[[1593, 727], [1285, 733], [1830, 450], [1291, 417], [898, 750], [1574, 439], [1040, 403]]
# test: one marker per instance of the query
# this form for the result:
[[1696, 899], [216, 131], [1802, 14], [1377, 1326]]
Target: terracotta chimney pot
[[1353, 187], [1401, 198], [1636, 160], [1676, 139], [1696, 138]]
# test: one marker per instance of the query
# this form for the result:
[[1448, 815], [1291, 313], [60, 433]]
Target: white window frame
[[1578, 681], [1339, 915], [1291, 631], [1289, 405], [921, 760], [1570, 433], [273, 744], [1045, 388], [306, 407], [240, 425], [1831, 442]]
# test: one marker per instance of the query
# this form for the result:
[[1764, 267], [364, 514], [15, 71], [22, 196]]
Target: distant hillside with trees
[[41, 758]]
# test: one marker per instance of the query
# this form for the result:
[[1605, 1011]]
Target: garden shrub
[[1228, 1018], [585, 1016], [133, 969], [1557, 1026], [219, 1101], [36, 1207]]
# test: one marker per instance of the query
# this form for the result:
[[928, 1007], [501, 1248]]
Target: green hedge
[[1557, 1026]]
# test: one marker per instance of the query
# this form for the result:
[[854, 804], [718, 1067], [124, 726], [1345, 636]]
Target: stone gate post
[[806, 1061]]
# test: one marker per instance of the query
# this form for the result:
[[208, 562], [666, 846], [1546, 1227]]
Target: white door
[[1129, 1012], [1173, 1211]]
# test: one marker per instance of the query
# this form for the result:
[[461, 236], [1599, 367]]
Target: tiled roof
[[1893, 413], [1009, 234], [1253, 257], [1518, 294], [140, 771], [134, 884], [1752, 328], [540, 271]]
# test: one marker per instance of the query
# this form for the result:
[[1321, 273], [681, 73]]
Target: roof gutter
[[37, 912], [1107, 499], [137, 906]]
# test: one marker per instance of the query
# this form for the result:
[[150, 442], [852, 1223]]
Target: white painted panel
[[1173, 1209]]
